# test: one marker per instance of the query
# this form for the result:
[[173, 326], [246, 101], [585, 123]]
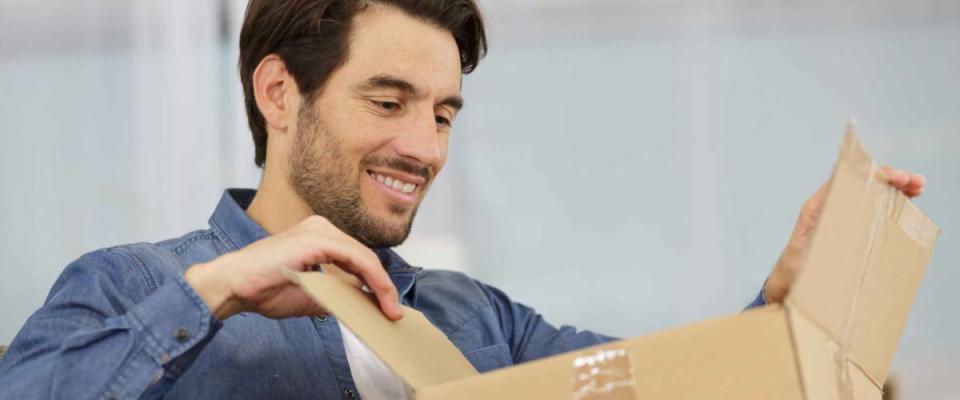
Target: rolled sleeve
[[109, 328], [175, 320]]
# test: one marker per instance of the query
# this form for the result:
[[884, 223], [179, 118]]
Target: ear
[[272, 84]]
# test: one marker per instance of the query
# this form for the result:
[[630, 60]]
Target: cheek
[[354, 129], [444, 146], [357, 141]]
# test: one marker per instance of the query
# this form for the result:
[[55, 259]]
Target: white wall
[[625, 166], [638, 166]]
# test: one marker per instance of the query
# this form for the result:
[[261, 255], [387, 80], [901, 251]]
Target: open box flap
[[412, 347], [863, 266], [846, 310]]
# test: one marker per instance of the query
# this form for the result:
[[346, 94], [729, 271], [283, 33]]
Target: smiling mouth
[[395, 184]]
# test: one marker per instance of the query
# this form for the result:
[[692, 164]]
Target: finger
[[349, 278], [911, 193], [917, 182], [375, 277], [898, 179], [353, 257]]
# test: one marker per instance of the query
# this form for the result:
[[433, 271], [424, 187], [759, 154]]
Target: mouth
[[399, 186]]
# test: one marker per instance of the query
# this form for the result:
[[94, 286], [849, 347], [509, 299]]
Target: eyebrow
[[391, 82]]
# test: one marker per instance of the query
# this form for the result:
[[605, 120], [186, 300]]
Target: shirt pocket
[[490, 357]]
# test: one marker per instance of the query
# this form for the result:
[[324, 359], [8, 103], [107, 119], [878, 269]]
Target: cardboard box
[[833, 338]]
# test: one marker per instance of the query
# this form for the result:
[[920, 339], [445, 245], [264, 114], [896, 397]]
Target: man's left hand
[[788, 266]]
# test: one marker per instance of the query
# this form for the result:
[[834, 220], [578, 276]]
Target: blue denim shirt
[[122, 323]]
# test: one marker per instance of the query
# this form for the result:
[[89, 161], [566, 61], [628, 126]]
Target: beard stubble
[[323, 177]]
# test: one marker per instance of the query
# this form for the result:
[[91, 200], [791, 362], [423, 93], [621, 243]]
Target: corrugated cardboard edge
[[742, 356], [411, 347], [827, 364]]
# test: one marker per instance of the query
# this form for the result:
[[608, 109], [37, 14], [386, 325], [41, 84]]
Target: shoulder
[[454, 295], [173, 255], [112, 278], [438, 282], [135, 269], [197, 246]]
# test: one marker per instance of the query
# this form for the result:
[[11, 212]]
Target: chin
[[388, 226], [390, 212], [396, 219], [389, 235]]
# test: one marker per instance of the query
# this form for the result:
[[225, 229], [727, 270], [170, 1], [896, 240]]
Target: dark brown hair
[[310, 36]]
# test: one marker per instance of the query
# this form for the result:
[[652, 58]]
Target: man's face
[[373, 140]]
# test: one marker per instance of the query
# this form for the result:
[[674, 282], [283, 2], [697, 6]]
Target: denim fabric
[[760, 301], [122, 323]]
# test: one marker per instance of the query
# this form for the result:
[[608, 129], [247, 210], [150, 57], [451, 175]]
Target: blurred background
[[622, 165]]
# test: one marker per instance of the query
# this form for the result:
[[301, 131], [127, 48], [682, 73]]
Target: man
[[350, 104]]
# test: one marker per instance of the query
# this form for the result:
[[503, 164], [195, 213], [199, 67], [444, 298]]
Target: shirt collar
[[236, 229], [231, 222]]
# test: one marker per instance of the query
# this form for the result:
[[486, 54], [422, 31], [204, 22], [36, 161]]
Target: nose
[[421, 141]]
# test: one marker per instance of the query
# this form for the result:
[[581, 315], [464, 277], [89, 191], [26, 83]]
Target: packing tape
[[604, 375], [890, 206], [853, 159], [914, 223], [885, 199]]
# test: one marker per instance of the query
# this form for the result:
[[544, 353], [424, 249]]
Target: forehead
[[386, 41]]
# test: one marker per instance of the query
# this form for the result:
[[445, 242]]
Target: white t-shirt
[[373, 378]]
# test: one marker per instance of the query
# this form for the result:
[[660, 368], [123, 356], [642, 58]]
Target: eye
[[443, 121], [387, 105]]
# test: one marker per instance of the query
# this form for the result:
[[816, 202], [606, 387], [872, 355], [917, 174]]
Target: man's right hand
[[253, 278]]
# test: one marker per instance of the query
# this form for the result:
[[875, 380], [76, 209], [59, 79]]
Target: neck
[[276, 206]]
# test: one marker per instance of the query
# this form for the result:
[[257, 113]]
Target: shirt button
[[181, 335], [321, 318], [351, 394]]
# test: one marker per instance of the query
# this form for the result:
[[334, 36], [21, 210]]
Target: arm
[[107, 329], [531, 337]]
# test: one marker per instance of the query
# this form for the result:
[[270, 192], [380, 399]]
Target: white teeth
[[395, 184]]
